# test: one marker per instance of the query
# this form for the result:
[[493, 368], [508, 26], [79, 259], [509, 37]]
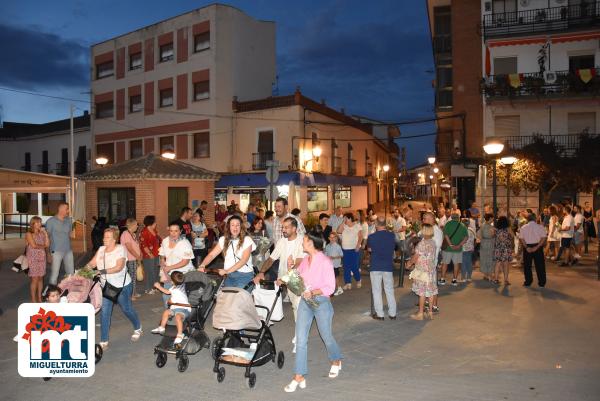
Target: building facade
[[169, 86]]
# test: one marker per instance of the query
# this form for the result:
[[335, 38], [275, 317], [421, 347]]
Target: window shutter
[[580, 122], [507, 126]]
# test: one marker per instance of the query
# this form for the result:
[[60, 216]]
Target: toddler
[[179, 308]]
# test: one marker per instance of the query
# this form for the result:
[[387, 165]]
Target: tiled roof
[[150, 167]]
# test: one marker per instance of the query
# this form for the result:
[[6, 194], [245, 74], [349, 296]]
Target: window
[[505, 65], [166, 52], [201, 42], [444, 77], [167, 143], [581, 122], [507, 126], [166, 97], [104, 70], [81, 161], [106, 150], [581, 62], [442, 20], [342, 196], [201, 90], [27, 166], [504, 6], [201, 145], [135, 103], [104, 109], [116, 204], [136, 149], [135, 61], [444, 98], [316, 199]]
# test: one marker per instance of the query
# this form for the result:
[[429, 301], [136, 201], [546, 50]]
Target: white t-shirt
[[568, 223], [233, 254], [398, 224], [442, 221], [579, 220], [182, 250], [285, 248], [108, 260], [350, 236], [179, 296]]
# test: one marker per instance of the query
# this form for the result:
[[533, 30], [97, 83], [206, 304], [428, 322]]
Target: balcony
[[540, 20], [62, 169], [43, 168], [259, 160], [369, 170], [554, 84], [442, 44], [568, 144], [351, 167], [336, 166]]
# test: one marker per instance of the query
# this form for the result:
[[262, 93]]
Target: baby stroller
[[201, 290], [247, 340], [79, 289]]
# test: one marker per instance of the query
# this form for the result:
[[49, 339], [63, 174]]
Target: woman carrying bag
[[117, 285], [424, 272]]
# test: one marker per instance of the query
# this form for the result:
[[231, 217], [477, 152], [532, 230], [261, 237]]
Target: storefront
[[145, 186]]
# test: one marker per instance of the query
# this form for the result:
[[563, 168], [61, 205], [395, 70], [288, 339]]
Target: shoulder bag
[[109, 291]]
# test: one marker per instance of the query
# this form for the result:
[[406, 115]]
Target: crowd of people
[[256, 245]]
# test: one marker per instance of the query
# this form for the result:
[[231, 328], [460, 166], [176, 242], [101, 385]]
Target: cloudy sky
[[371, 58]]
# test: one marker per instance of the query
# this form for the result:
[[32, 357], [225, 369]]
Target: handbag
[[139, 271], [419, 275], [109, 291], [21, 264]]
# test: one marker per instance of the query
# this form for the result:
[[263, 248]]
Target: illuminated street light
[[431, 159], [436, 170], [101, 161], [494, 147], [168, 153]]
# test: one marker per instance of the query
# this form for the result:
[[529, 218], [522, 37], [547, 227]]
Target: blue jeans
[[151, 267], [239, 280], [351, 265], [124, 302], [59, 258], [467, 264], [324, 316]]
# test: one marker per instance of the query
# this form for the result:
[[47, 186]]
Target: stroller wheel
[[99, 352], [215, 347], [183, 363], [251, 380], [280, 359], [161, 359], [220, 374]]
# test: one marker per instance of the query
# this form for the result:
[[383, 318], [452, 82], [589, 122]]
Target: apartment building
[[541, 60], [454, 29], [169, 86], [325, 157]]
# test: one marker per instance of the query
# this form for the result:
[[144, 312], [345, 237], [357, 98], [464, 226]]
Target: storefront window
[[343, 196], [316, 199], [221, 196], [116, 204]]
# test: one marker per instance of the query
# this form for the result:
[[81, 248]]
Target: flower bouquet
[[295, 284]]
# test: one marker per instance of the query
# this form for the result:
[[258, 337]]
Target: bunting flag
[[514, 80], [586, 74], [488, 63]]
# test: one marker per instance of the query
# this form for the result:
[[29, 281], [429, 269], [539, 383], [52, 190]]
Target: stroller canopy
[[235, 310], [198, 287], [81, 290]]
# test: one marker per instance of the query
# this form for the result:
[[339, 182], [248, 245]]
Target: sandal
[[335, 370]]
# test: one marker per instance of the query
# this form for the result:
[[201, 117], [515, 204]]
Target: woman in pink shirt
[[316, 270]]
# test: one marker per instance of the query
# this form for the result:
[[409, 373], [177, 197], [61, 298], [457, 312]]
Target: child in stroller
[[179, 308], [198, 293]]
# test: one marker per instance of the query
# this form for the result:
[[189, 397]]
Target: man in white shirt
[[578, 233], [336, 219], [400, 232], [567, 230], [533, 237]]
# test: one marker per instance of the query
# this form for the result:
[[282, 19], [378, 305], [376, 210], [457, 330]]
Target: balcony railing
[[259, 160], [558, 83], [26, 167], [369, 171], [442, 44], [564, 18], [336, 167], [62, 169], [351, 167], [43, 168], [568, 144]]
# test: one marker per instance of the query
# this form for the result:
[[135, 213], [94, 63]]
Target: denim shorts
[[577, 238], [565, 242], [181, 311]]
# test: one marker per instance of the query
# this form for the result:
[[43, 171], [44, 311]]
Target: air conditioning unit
[[550, 77]]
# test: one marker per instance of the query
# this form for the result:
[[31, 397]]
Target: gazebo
[[148, 185]]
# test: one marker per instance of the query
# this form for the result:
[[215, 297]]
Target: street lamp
[[508, 161], [316, 153], [494, 147], [386, 168], [436, 170], [101, 161], [168, 153]]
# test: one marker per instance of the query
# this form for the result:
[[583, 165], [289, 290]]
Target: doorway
[[178, 199]]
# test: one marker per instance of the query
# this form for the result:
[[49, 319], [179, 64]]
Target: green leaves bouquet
[[295, 283]]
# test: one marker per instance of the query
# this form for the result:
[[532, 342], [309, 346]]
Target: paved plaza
[[488, 343]]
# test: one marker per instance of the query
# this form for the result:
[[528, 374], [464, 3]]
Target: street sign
[[275, 193], [272, 174]]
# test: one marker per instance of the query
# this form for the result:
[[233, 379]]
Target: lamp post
[[101, 161], [494, 147], [316, 153], [508, 161], [386, 168], [168, 153]]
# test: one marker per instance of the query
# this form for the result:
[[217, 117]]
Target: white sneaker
[[290, 388], [178, 340], [158, 330], [294, 347], [348, 287], [358, 284], [16, 338], [151, 292], [577, 256], [137, 334], [339, 291]]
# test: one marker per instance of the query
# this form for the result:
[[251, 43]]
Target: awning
[[259, 180], [573, 37], [576, 37]]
